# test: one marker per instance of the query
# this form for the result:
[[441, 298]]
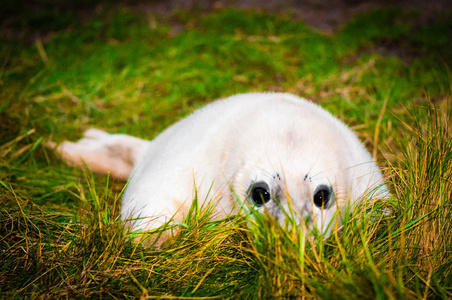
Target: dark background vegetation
[[26, 19]]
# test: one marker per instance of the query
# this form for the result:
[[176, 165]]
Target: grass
[[383, 73]]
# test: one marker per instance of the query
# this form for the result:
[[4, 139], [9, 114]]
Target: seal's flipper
[[103, 153]]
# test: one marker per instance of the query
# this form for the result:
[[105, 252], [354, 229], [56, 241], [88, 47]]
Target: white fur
[[289, 143]]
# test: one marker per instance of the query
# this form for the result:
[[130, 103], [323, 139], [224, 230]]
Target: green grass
[[382, 73]]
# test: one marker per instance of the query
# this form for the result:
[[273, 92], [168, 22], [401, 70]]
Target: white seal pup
[[270, 150]]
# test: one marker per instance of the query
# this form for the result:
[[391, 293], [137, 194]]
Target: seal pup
[[274, 152]]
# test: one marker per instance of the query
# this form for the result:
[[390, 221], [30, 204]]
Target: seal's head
[[302, 166]]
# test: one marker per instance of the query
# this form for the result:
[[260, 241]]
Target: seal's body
[[272, 151]]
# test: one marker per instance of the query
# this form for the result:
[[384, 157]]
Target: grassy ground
[[384, 73]]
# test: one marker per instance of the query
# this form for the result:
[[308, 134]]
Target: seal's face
[[306, 185], [308, 201]]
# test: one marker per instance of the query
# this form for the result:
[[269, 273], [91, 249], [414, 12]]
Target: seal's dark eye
[[259, 193], [322, 196]]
